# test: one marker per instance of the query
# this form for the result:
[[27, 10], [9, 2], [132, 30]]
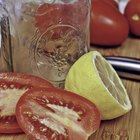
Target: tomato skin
[[132, 13], [113, 3], [24, 79], [87, 122], [9, 128], [11, 81], [108, 26], [110, 2]]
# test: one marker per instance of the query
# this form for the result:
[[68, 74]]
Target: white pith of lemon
[[93, 77]]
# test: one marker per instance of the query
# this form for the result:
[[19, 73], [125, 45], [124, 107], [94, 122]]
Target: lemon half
[[94, 78]]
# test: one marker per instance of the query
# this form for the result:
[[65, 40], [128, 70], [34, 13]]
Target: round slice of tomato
[[55, 114], [12, 86]]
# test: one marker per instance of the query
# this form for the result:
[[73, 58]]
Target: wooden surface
[[126, 127]]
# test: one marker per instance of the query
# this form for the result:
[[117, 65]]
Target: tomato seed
[[35, 118], [7, 118], [80, 112], [29, 114], [12, 86], [60, 102], [43, 129], [5, 87], [47, 101], [40, 100], [53, 136]]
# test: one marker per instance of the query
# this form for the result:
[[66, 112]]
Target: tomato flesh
[[56, 114], [8, 99], [12, 86]]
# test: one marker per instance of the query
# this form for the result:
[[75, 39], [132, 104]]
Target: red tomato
[[55, 114], [53, 14], [49, 14], [111, 2], [132, 13], [108, 26], [12, 86]]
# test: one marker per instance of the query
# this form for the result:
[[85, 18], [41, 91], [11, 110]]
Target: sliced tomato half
[[55, 114], [12, 86]]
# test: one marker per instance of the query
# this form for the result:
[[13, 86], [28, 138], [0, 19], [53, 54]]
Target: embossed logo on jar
[[59, 46]]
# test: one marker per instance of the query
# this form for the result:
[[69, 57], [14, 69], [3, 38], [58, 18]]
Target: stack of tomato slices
[[32, 105]]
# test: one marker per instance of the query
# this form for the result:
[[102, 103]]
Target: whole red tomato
[[55, 114], [132, 13], [108, 26]]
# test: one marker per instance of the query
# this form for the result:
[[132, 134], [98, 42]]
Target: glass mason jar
[[47, 36], [5, 48]]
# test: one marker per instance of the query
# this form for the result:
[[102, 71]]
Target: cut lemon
[[94, 78]]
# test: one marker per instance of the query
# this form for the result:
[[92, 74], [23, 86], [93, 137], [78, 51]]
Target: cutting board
[[126, 127]]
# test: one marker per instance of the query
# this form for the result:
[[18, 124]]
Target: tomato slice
[[55, 114], [12, 86]]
